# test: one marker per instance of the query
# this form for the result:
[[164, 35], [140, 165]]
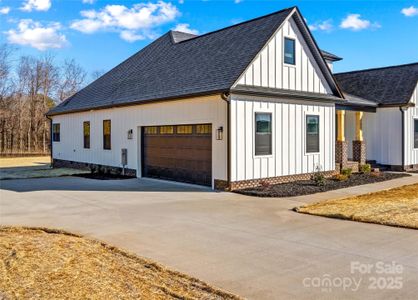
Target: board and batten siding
[[269, 70], [411, 153], [382, 132], [288, 138], [211, 109]]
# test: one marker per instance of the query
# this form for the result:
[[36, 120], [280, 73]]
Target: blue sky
[[99, 34]]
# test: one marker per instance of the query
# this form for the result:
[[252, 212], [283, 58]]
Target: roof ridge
[[378, 68], [241, 23]]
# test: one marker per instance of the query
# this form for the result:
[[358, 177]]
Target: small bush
[[341, 177], [347, 172], [366, 168], [375, 174], [318, 177]]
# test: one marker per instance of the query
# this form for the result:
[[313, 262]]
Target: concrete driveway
[[257, 248]]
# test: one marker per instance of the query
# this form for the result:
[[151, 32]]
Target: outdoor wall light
[[130, 134], [220, 133]]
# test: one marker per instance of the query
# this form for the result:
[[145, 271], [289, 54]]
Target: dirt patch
[[394, 207], [39, 263], [307, 187], [102, 176]]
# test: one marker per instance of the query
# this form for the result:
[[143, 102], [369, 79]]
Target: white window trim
[[272, 134], [283, 42], [307, 113]]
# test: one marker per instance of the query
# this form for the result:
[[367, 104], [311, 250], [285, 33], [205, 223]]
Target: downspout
[[225, 96], [403, 136], [50, 139]]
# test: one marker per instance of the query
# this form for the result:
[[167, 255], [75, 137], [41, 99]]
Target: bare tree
[[72, 79], [96, 74]]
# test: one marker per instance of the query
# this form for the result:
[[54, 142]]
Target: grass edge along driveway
[[395, 207]]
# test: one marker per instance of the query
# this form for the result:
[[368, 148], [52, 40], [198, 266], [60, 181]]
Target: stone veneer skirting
[[236, 185], [61, 163]]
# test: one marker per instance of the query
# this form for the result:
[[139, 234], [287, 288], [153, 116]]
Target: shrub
[[347, 172], [366, 168], [341, 177], [318, 177], [375, 174]]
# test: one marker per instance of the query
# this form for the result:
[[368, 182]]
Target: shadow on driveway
[[70, 183]]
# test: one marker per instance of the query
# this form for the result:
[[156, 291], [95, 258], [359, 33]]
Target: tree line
[[29, 87]]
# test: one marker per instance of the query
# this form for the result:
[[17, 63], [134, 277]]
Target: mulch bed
[[102, 176], [307, 187]]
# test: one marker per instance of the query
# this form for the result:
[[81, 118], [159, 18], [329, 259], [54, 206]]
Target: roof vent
[[178, 36]]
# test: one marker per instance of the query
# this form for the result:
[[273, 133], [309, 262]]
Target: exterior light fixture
[[130, 134], [220, 133]]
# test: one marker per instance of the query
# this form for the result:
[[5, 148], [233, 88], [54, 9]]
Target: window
[[107, 134], [289, 51], [166, 130], [312, 134], [416, 133], [184, 129], [204, 129], [86, 134], [263, 134], [151, 130], [56, 137]]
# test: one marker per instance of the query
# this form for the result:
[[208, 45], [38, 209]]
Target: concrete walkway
[[258, 248]]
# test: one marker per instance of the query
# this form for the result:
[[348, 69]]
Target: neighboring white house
[[252, 102]]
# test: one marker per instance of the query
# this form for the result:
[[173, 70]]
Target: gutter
[[226, 97]]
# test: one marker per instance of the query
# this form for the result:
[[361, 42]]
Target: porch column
[[341, 146], [359, 146]]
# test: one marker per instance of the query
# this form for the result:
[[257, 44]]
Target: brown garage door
[[179, 152]]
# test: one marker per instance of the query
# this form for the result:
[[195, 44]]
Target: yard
[[394, 207], [52, 264], [32, 167]]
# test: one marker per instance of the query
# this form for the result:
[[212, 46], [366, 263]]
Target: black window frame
[[56, 134], [293, 62], [263, 137], [105, 146], [416, 133], [86, 138], [309, 135]]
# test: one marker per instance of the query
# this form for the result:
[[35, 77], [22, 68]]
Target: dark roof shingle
[[386, 86], [177, 64]]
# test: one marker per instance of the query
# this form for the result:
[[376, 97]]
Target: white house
[[252, 102]]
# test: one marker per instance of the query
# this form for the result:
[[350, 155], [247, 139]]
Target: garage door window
[[166, 129], [184, 129], [151, 130], [204, 129], [263, 134]]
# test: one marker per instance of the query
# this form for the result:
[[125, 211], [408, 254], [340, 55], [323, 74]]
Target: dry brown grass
[[9, 162], [52, 264], [395, 207]]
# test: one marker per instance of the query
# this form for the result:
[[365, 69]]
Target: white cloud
[[132, 23], [34, 34], [88, 1], [42, 5], [181, 1], [4, 10], [237, 1], [184, 27], [354, 22], [409, 11], [324, 26], [131, 36]]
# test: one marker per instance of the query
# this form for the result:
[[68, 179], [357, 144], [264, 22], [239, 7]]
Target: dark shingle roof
[[329, 56], [178, 64], [386, 86]]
